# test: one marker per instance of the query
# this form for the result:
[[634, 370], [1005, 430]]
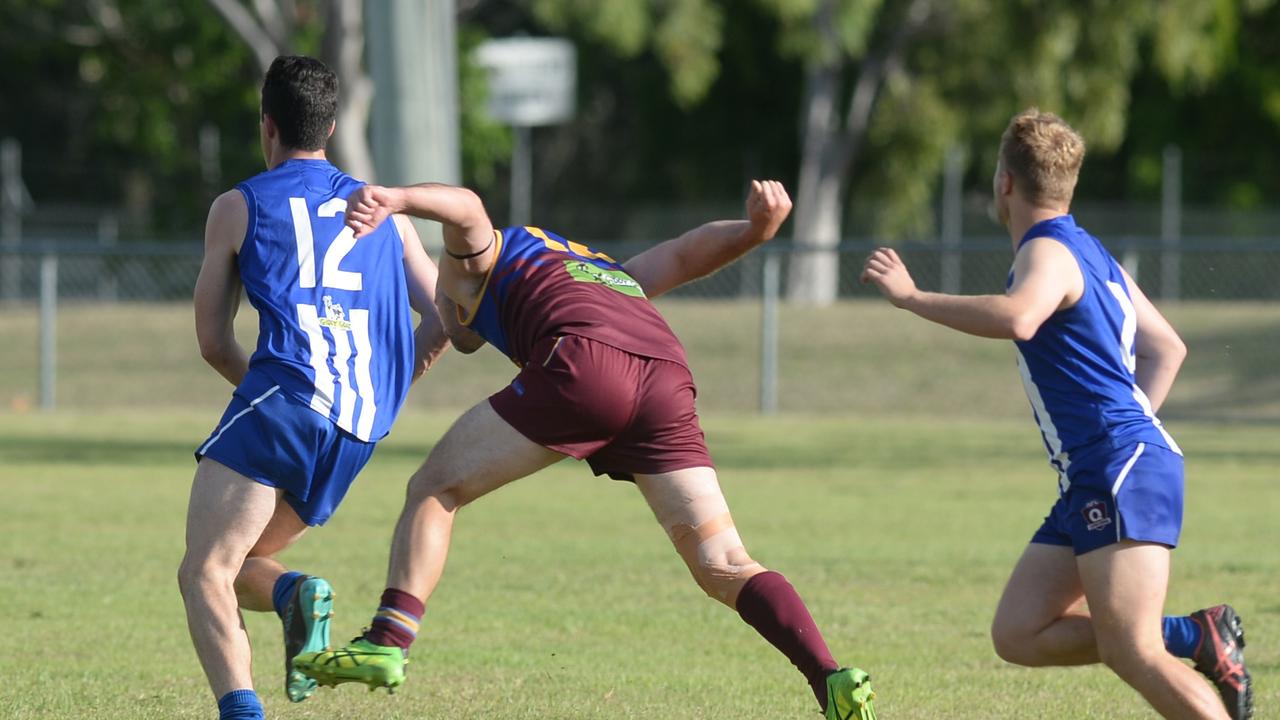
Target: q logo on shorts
[[1095, 514]]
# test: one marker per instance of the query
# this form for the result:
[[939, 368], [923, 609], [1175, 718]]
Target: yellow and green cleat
[[361, 661], [849, 695]]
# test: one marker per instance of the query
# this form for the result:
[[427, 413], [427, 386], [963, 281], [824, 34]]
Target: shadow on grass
[[94, 451]]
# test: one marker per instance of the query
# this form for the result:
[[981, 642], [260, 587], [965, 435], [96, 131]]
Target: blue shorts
[[284, 444], [1133, 494]]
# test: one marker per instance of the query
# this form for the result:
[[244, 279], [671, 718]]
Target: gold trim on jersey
[[470, 315]]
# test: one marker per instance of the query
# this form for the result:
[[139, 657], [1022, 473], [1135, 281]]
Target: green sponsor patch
[[614, 279]]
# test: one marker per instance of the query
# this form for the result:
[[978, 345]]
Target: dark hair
[[301, 96]]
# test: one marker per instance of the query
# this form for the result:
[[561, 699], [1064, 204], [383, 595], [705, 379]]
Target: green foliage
[[117, 94], [486, 143], [684, 34]]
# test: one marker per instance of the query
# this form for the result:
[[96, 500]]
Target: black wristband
[[468, 256]]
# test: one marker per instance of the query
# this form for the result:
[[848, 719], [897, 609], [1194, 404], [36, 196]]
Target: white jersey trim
[[1047, 429]]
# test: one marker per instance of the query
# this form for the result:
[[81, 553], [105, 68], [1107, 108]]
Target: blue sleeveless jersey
[[334, 331], [1078, 370]]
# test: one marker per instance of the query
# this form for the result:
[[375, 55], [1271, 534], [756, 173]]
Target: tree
[[280, 27], [914, 77]]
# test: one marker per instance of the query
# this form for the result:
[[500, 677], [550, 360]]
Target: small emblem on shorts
[[1095, 515]]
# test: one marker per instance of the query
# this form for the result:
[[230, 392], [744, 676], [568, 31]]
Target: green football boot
[[849, 695], [361, 661], [306, 630]]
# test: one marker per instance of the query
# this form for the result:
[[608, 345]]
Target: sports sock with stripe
[[283, 589], [1181, 636], [240, 705], [771, 605], [396, 622]]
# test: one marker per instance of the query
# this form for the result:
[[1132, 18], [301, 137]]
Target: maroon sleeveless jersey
[[542, 285]]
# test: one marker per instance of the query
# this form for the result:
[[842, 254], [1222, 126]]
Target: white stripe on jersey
[[364, 379], [309, 321], [1145, 402], [252, 404], [1047, 428], [342, 360], [306, 243]]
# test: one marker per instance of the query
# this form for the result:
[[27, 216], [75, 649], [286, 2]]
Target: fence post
[[952, 219], [1171, 224], [769, 334], [11, 202], [108, 236], [48, 329]]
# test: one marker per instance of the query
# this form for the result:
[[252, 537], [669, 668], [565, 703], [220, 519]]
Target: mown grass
[[563, 598]]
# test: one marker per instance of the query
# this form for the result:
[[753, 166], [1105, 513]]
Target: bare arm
[[1046, 279], [217, 294], [1159, 350], [464, 339], [421, 274], [707, 248]]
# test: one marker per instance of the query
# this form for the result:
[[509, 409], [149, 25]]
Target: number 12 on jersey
[[349, 328]]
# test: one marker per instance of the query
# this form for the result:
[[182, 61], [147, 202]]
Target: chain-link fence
[[1197, 269], [111, 325]]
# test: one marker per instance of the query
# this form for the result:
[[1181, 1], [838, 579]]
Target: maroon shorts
[[625, 414]]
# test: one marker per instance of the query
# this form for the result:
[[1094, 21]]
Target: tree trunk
[[267, 29], [343, 51], [814, 273], [813, 277]]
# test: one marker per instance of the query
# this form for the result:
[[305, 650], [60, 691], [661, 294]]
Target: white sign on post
[[532, 81]]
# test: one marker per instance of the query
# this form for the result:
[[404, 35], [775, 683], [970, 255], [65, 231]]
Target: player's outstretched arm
[[420, 274], [217, 294], [1046, 279], [468, 233], [707, 248], [1159, 350]]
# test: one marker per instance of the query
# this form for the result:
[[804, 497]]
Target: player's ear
[[269, 128], [1004, 182]]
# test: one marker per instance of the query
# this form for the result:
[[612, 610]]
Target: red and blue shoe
[[1220, 657]]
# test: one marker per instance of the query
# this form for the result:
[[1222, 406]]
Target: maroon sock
[[769, 604], [396, 623]]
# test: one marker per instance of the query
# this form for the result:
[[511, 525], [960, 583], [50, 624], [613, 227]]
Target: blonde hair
[[1044, 154]]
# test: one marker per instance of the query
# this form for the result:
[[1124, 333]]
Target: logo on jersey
[[1095, 514], [612, 279], [335, 318]]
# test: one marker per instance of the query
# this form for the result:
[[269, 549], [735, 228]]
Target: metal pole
[[11, 196], [1171, 225], [952, 219], [108, 235], [522, 176], [48, 329], [769, 334], [412, 54]]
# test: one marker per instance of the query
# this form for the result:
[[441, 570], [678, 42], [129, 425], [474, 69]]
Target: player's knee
[[1010, 642], [196, 574], [1129, 657], [436, 488], [722, 575]]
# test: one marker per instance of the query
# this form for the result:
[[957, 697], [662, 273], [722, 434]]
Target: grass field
[[563, 598]]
